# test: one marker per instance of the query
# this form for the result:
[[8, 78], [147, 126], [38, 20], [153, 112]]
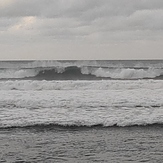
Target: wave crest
[[80, 73], [128, 73]]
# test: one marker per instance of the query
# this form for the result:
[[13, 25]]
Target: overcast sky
[[81, 29]]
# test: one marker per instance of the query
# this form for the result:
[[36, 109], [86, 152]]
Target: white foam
[[80, 85], [81, 103], [123, 73], [98, 72], [16, 73]]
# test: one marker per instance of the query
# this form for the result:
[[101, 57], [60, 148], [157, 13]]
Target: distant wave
[[82, 63], [81, 73]]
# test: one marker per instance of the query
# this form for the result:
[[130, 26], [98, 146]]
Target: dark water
[[82, 144]]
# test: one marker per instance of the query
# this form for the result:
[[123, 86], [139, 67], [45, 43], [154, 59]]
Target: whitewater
[[81, 93], [81, 111], [81, 103]]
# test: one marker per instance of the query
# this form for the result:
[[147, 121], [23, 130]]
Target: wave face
[[81, 103], [81, 70]]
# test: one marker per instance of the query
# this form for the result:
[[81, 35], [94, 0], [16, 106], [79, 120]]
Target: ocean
[[81, 111]]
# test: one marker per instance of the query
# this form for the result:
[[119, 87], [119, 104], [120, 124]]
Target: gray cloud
[[86, 17], [81, 21]]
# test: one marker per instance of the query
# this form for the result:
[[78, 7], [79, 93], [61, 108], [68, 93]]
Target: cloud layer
[[86, 21]]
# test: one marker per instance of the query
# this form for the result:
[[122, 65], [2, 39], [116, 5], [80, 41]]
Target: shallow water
[[122, 103], [82, 144]]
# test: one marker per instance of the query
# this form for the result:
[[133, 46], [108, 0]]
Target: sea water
[[81, 111]]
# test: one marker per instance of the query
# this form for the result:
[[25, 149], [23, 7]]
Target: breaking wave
[[79, 85], [78, 125], [81, 73]]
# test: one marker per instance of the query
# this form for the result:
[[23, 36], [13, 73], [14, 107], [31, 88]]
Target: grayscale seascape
[[81, 111]]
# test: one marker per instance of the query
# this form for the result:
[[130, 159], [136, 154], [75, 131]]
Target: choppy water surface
[[62, 144]]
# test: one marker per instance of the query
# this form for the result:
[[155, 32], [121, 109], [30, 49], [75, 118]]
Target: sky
[[81, 29]]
